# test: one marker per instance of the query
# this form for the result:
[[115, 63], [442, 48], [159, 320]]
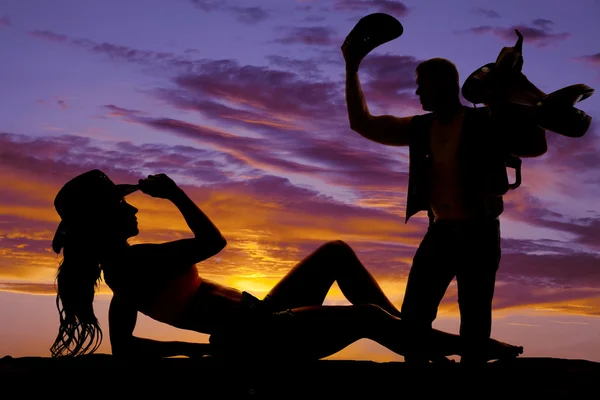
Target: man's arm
[[384, 129], [122, 318]]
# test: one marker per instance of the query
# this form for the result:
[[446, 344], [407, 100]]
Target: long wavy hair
[[76, 282]]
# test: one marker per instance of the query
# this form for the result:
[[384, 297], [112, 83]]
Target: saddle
[[506, 90]]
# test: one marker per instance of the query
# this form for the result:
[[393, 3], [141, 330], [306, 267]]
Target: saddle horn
[[519, 44]]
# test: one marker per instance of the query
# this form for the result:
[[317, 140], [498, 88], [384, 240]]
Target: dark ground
[[104, 375]]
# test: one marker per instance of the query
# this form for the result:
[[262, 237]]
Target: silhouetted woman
[[162, 282]]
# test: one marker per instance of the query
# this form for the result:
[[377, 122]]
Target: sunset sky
[[242, 103]]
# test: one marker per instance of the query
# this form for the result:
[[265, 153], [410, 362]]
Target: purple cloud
[[50, 36], [251, 15], [486, 12], [61, 103], [5, 21], [115, 111], [539, 33], [284, 106], [59, 158], [120, 53], [346, 163], [273, 102], [577, 270], [309, 68], [544, 24], [267, 89], [248, 15], [395, 8], [391, 81], [207, 5], [592, 59], [310, 36]]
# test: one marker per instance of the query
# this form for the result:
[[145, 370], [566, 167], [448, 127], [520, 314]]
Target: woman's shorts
[[252, 330]]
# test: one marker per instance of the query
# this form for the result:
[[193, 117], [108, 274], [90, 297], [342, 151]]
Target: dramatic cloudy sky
[[242, 103]]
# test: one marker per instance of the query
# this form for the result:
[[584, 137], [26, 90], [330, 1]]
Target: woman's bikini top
[[166, 303], [174, 298]]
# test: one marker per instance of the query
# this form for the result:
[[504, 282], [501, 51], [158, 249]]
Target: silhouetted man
[[458, 175]]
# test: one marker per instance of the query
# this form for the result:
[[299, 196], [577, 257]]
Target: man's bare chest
[[444, 140]]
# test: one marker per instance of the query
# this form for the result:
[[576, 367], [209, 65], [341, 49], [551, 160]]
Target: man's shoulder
[[419, 123], [418, 119]]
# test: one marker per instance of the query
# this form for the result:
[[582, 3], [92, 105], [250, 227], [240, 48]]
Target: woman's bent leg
[[308, 283]]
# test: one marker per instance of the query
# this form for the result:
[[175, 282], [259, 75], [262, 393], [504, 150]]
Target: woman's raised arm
[[208, 240]]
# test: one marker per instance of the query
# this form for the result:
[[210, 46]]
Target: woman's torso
[[178, 297]]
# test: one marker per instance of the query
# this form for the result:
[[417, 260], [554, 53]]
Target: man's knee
[[418, 310]]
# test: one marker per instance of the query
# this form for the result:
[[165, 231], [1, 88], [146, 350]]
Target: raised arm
[[202, 227], [122, 318], [384, 129], [208, 240]]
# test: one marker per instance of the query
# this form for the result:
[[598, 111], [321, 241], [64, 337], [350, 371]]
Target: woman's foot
[[499, 351]]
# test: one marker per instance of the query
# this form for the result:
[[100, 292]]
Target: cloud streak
[[486, 12], [395, 8], [539, 32], [592, 59], [5, 21], [310, 36], [248, 15]]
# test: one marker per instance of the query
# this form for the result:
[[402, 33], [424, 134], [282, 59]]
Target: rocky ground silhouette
[[104, 374]]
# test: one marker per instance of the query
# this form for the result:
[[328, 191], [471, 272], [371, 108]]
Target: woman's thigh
[[309, 281]]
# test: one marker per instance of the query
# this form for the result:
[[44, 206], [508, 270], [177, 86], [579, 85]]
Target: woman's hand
[[159, 185]]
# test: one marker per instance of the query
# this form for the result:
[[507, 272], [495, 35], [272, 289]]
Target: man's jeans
[[470, 251]]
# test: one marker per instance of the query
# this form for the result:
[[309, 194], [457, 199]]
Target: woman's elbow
[[123, 346], [219, 245]]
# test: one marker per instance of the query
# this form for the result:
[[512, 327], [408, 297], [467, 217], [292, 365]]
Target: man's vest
[[481, 158]]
